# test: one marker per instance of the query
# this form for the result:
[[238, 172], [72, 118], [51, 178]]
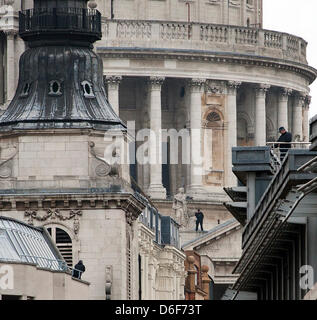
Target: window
[[213, 117], [55, 88], [26, 90], [88, 90], [63, 243]]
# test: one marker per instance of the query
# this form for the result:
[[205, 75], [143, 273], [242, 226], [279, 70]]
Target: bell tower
[[61, 78], [53, 140]]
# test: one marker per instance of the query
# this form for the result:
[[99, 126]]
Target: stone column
[[306, 119], [196, 166], [232, 129], [260, 115], [11, 83], [156, 189], [113, 83], [298, 116], [282, 115]]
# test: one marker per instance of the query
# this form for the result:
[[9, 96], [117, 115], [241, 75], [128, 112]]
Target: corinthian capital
[[261, 89], [196, 84], [308, 100], [286, 92], [155, 83], [233, 86], [112, 81]]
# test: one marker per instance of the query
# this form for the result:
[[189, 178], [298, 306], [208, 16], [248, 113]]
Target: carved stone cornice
[[155, 83], [263, 62], [52, 215]]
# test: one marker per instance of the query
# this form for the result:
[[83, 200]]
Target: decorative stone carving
[[155, 83], [262, 89], [196, 84], [112, 81], [180, 207], [5, 166], [232, 86], [215, 87], [53, 215], [104, 169]]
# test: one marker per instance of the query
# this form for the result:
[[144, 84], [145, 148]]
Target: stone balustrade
[[202, 37]]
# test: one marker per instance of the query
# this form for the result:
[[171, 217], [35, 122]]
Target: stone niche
[[213, 137]]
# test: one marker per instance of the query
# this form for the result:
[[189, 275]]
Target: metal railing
[[45, 263], [41, 19], [280, 149]]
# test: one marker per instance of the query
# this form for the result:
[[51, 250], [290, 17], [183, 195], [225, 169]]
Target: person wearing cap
[[284, 137]]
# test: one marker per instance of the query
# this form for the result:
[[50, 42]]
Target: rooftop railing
[[293, 160], [42, 19], [202, 36], [280, 149]]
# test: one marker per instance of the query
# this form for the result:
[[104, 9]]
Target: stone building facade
[[205, 65]]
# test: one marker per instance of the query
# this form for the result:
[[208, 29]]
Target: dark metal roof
[[238, 210], [35, 105]]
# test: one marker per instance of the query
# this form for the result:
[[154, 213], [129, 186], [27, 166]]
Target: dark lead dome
[[61, 78]]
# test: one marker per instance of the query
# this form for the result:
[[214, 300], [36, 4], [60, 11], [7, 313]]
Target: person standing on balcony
[[199, 220], [284, 137]]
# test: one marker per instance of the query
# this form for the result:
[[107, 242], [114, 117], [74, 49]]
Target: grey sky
[[298, 18]]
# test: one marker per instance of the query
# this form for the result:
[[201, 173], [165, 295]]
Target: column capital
[[261, 89], [301, 98], [10, 33], [308, 101], [113, 79], [286, 92], [232, 86], [155, 83], [196, 84]]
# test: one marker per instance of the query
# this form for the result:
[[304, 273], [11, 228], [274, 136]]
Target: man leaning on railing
[[284, 137]]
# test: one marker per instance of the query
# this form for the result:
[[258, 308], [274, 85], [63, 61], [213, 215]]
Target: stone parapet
[[170, 35]]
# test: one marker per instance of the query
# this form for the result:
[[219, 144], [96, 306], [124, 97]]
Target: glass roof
[[22, 243]]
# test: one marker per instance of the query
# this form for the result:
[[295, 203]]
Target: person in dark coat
[[199, 220], [78, 270], [284, 137]]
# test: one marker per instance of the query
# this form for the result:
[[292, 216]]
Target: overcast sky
[[298, 17]]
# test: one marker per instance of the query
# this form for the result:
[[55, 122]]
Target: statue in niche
[[180, 207]]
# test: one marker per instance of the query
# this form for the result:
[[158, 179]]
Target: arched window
[[63, 243]]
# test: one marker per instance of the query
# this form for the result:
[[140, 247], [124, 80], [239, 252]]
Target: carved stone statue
[[180, 207]]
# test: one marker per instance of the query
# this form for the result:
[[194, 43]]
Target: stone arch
[[270, 130], [75, 242], [245, 129]]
